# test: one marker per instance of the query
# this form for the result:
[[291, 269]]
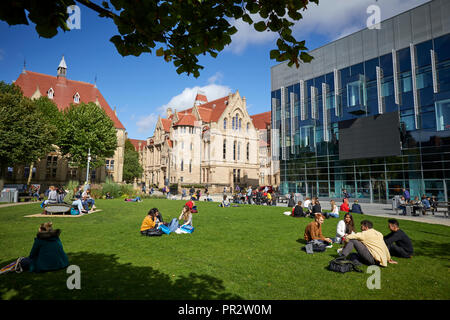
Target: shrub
[[113, 188]]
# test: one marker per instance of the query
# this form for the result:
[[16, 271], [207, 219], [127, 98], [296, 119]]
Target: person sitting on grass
[[79, 204], [315, 207], [344, 206], [334, 210], [86, 195], [344, 228], [192, 206], [313, 231], [225, 202], [150, 221], [369, 244], [47, 253], [109, 196], [398, 243], [186, 216], [297, 211], [356, 208]]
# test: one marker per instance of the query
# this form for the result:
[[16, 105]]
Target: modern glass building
[[371, 112]]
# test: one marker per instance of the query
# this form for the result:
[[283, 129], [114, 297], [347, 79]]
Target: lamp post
[[87, 171]]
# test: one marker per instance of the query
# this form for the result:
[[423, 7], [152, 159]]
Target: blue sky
[[141, 88]]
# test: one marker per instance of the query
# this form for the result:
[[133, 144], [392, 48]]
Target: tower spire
[[62, 68]]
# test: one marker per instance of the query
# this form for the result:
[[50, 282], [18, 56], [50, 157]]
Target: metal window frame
[[325, 91], [395, 67], [381, 104], [412, 48], [283, 123], [292, 106], [337, 91], [434, 71], [303, 97]]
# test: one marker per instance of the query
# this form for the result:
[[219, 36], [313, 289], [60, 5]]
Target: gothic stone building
[[214, 143]]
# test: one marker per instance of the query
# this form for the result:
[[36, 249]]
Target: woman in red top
[[344, 206]]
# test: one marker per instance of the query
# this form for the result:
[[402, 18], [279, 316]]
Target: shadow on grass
[[104, 278], [431, 249]]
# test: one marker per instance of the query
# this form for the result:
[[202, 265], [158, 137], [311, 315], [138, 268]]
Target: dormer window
[[50, 93], [76, 98]]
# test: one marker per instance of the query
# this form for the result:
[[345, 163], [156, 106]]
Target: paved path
[[17, 203], [374, 209]]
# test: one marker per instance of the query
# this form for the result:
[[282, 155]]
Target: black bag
[[315, 246], [343, 265], [152, 232]]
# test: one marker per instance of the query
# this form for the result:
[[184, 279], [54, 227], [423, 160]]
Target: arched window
[[182, 165], [224, 149], [76, 98], [248, 150], [248, 126], [225, 123], [232, 124], [50, 93], [239, 151], [234, 150], [236, 121], [240, 121]]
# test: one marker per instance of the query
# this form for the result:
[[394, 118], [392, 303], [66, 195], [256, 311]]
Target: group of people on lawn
[[154, 219], [371, 247], [82, 199], [312, 206]]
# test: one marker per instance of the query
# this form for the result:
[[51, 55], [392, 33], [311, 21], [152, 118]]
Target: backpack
[[343, 265], [315, 246]]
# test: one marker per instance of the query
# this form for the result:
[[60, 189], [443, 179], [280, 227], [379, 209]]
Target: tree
[[178, 31], [25, 133], [86, 126], [131, 166]]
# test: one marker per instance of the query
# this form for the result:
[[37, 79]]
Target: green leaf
[[274, 54], [260, 26]]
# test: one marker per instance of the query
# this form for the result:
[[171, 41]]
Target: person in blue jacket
[[47, 253]]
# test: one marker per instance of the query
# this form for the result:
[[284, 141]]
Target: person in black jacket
[[398, 243], [356, 208], [297, 211], [316, 208]]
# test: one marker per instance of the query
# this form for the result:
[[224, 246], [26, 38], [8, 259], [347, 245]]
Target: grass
[[250, 252]]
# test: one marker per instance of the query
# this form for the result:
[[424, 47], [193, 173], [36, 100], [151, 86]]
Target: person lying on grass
[[369, 245], [398, 243], [313, 231], [150, 221], [186, 216], [47, 253]]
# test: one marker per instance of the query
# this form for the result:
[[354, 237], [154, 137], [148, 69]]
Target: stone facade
[[214, 144]]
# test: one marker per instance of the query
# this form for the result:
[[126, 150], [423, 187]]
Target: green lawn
[[250, 252]]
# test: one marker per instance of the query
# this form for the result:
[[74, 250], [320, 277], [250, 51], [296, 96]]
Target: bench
[[445, 206], [55, 208]]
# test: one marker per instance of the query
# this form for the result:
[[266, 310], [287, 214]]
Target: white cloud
[[217, 77], [247, 35], [183, 101], [331, 18], [147, 123]]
